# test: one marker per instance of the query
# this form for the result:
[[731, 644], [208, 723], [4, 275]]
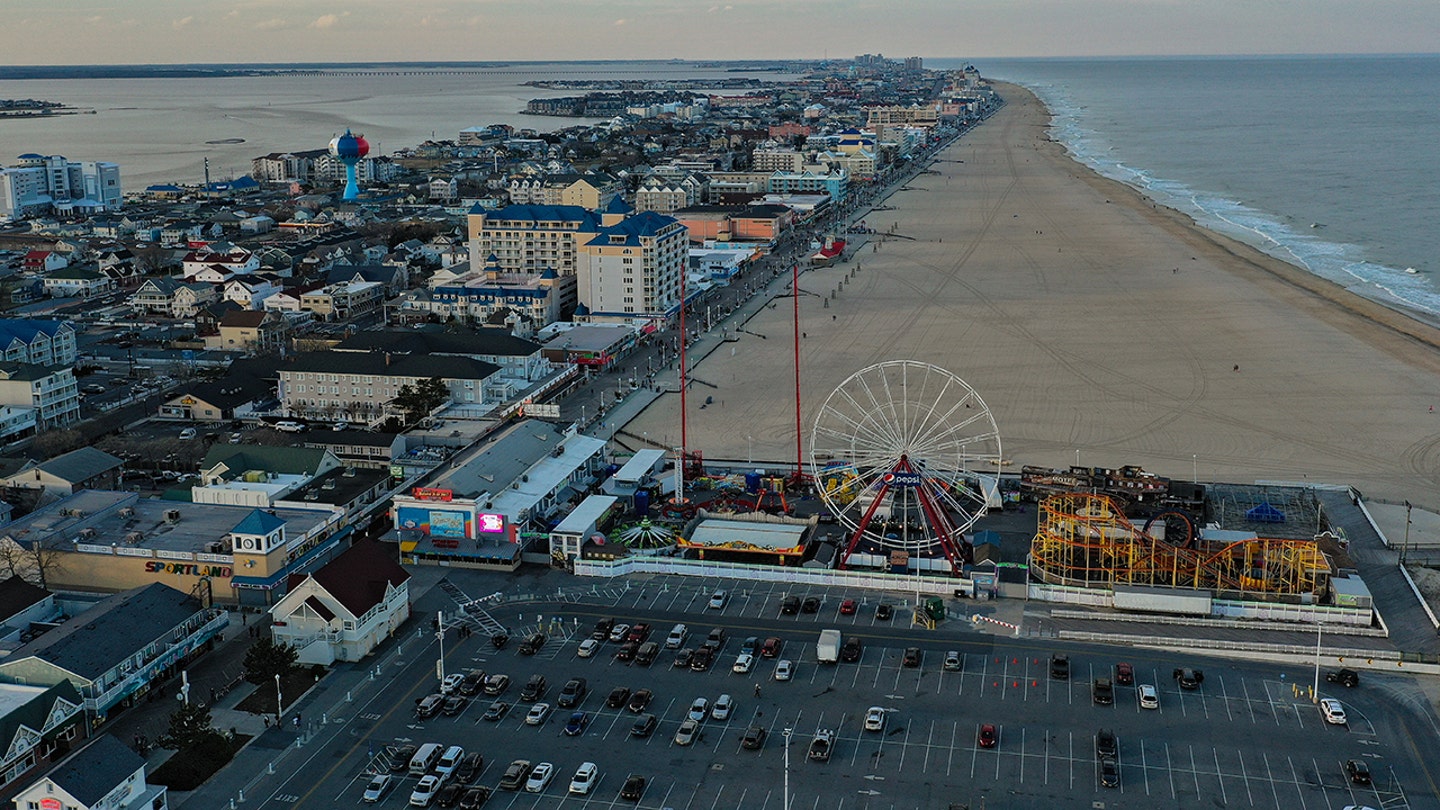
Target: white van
[[425, 758], [449, 761], [187, 433]]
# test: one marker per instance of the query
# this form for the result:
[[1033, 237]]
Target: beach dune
[[1091, 321]]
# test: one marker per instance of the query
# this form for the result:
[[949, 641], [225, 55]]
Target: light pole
[[749, 449], [1319, 630], [440, 634], [279, 702], [785, 800], [1194, 468]]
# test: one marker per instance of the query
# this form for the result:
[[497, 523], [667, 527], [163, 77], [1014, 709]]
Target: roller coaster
[[1086, 540]]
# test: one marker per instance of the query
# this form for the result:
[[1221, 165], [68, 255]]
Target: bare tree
[[35, 561]]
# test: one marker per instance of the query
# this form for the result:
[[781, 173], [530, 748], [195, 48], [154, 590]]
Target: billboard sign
[[903, 479], [435, 522], [433, 494], [490, 524]]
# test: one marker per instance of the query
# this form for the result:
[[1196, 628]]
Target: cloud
[[183, 22], [272, 24], [328, 20]]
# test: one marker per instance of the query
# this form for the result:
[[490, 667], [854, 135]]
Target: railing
[[744, 571]]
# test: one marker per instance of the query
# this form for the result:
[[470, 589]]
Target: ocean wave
[[1345, 264]]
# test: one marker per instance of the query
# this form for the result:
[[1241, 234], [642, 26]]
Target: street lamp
[[279, 701], [785, 800], [440, 634]]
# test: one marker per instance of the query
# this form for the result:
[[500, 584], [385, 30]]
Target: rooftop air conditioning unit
[[87, 532], [134, 538], [172, 515], [127, 512]]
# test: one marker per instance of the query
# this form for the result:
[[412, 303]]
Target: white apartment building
[[50, 390], [40, 184], [631, 269]]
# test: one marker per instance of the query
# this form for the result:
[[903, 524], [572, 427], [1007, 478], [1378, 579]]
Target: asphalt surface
[[1249, 737]]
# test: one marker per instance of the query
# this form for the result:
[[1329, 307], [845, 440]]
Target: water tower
[[349, 149]]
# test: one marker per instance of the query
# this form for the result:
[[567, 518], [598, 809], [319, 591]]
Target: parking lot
[[1248, 737]]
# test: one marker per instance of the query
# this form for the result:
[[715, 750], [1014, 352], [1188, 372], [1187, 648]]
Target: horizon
[[232, 32]]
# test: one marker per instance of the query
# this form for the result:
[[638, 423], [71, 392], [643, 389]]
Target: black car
[[496, 684], [400, 756], [429, 706], [682, 658], [469, 768], [884, 612], [1060, 667], [1110, 772], [754, 738], [790, 605], [644, 724], [1358, 772], [701, 660], [1189, 678], [627, 651], [912, 657], [496, 712], [617, 697], [810, 605], [1344, 677], [851, 649], [449, 795], [1105, 744], [499, 640], [572, 694], [634, 788], [473, 681], [474, 798], [534, 688], [454, 705], [1102, 692], [532, 644], [602, 629]]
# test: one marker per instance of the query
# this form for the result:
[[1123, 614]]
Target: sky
[[57, 32]]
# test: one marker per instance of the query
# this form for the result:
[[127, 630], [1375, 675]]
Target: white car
[[540, 777], [717, 600], [537, 714], [875, 719], [588, 648], [698, 709], [743, 663], [784, 669], [722, 708], [687, 732], [380, 784], [425, 790], [1333, 711], [451, 683], [1149, 698], [618, 632], [585, 778], [676, 637]]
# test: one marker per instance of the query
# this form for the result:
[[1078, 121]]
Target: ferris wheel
[[907, 457]]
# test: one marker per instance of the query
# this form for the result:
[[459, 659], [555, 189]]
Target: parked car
[[454, 705], [585, 778], [515, 774], [699, 707], [851, 650], [875, 719], [575, 726], [811, 604], [602, 629], [1105, 744], [618, 632], [754, 738], [722, 708], [1189, 678], [1124, 674], [532, 644], [496, 684], [743, 663], [572, 694], [451, 683], [1333, 710], [883, 612], [400, 756], [449, 795], [472, 683], [287, 426], [537, 714], [640, 701], [717, 600], [749, 645], [1102, 692], [790, 605], [470, 767], [633, 789], [429, 706], [425, 790], [689, 729], [534, 688], [1147, 695], [588, 648], [701, 660], [540, 778], [784, 670], [988, 736], [617, 697], [848, 607], [953, 661], [1060, 667], [771, 648], [496, 711], [682, 659], [1358, 772], [1110, 772], [627, 651], [644, 725], [822, 745], [380, 784], [473, 798], [638, 632], [912, 657], [676, 637]]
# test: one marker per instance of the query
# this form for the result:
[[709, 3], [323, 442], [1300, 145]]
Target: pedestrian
[[244, 618], [266, 718], [297, 721], [757, 690]]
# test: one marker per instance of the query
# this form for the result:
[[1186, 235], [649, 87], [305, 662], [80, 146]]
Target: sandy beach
[[1091, 320]]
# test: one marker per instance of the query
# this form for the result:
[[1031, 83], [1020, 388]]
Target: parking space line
[[1070, 762], [904, 745], [1269, 774], [1170, 769], [1144, 768], [929, 743], [1194, 770], [950, 755], [1295, 777], [1220, 777], [1022, 755], [1246, 778]]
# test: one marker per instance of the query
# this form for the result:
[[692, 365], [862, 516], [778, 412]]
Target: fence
[[1070, 594], [797, 576], [1300, 653]]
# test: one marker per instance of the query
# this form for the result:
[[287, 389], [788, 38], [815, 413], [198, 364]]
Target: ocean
[[1327, 162]]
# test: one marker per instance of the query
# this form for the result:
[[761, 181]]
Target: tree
[[265, 659], [36, 561], [189, 725]]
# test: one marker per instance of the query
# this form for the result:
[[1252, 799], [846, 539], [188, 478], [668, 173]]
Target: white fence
[[1070, 594], [1308, 614], [760, 573]]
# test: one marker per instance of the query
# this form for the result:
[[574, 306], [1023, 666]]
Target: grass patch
[[292, 686]]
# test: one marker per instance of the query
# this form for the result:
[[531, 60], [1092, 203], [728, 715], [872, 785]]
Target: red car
[[638, 632], [848, 607], [988, 736], [771, 648], [1124, 674]]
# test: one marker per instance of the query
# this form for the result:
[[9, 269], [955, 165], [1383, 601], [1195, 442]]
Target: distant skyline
[[72, 32]]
